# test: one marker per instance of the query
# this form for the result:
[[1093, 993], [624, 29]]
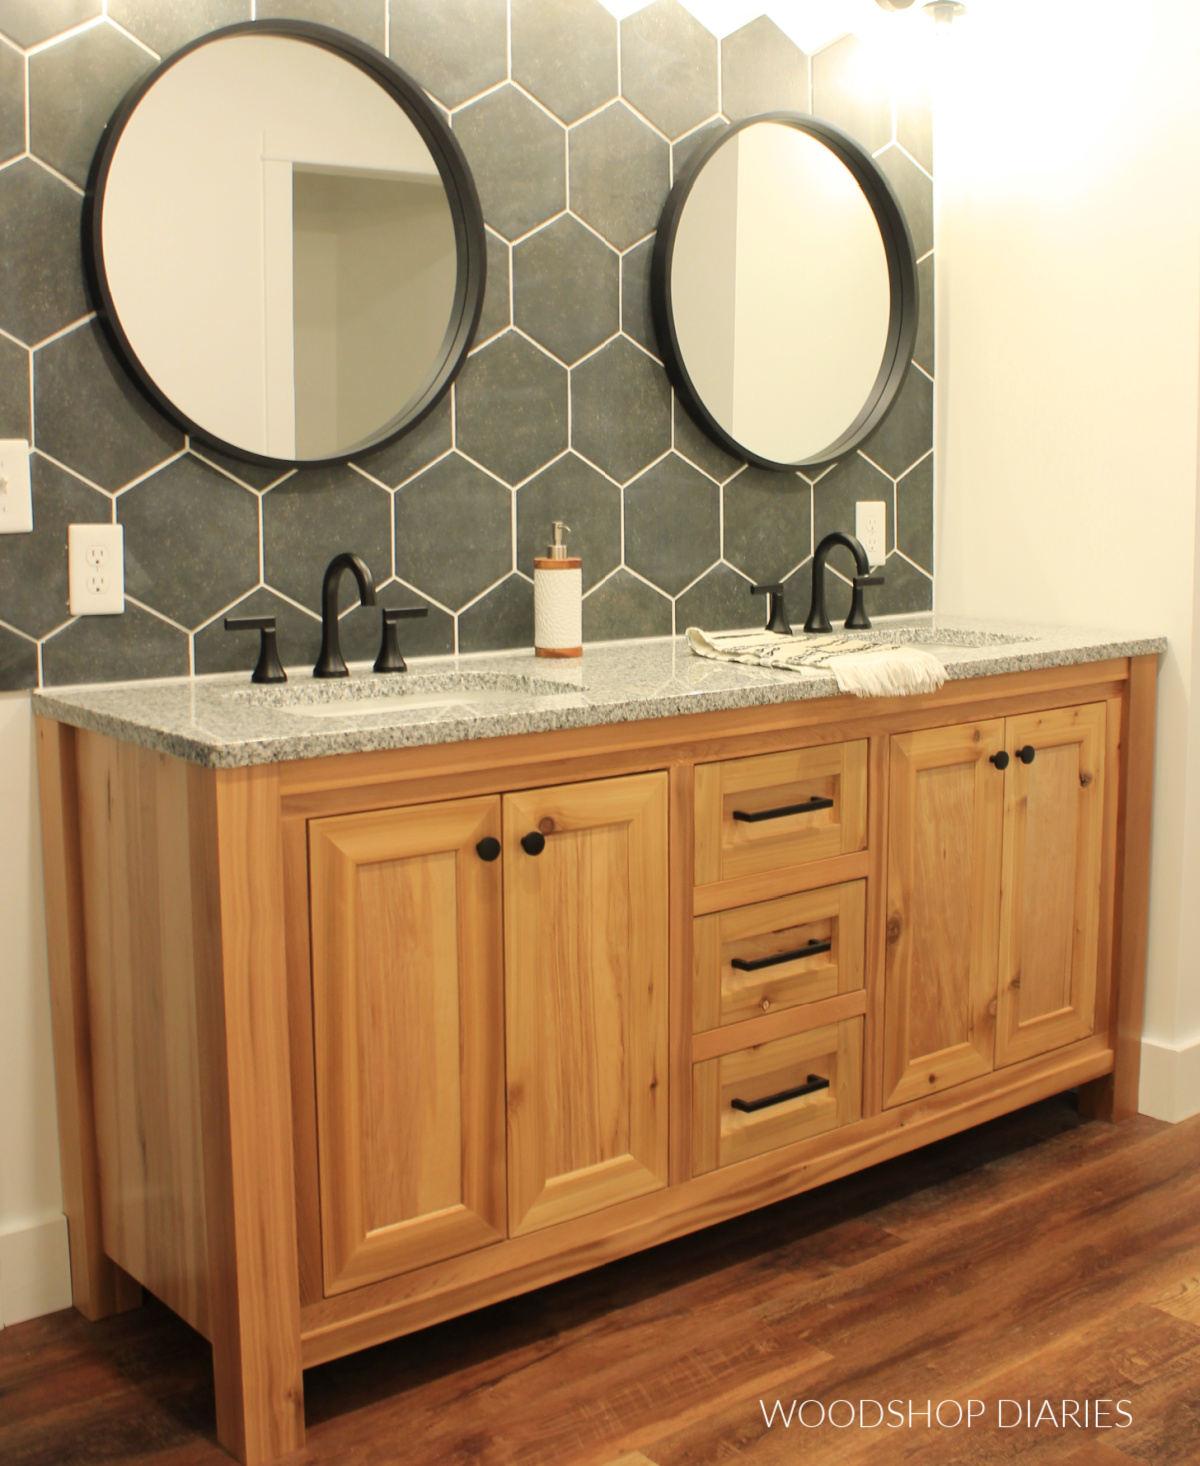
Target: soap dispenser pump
[[558, 599]]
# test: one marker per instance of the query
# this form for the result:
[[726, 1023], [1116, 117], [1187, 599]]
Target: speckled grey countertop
[[225, 722]]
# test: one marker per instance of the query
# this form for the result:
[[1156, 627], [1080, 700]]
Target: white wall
[[35, 1274], [1068, 385]]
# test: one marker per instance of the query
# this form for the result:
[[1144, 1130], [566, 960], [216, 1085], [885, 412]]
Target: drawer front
[[756, 959], [780, 809], [811, 1082]]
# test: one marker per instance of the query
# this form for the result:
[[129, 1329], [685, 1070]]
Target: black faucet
[[857, 619], [330, 663]]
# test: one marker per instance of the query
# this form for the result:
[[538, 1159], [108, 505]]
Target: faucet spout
[[818, 620], [331, 663]]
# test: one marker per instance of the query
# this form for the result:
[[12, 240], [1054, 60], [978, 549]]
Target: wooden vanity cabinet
[[350, 1046]]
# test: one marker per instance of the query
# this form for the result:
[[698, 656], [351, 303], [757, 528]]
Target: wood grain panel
[[1050, 911], [681, 846], [944, 846], [408, 1025], [783, 1024], [586, 997]]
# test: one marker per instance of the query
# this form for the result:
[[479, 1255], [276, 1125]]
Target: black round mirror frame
[[902, 278], [461, 194]]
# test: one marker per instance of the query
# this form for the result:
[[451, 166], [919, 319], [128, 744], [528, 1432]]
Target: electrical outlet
[[96, 561], [16, 500], [870, 527]]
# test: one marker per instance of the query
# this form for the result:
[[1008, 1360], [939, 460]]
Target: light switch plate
[[870, 527], [16, 499], [96, 561]]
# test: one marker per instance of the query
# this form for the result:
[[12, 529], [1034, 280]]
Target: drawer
[[790, 1089], [780, 809], [756, 959]]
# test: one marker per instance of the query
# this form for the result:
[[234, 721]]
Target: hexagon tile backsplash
[[574, 126]]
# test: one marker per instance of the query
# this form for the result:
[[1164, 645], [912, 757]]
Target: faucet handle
[[390, 658], [269, 667], [861, 580], [777, 620]]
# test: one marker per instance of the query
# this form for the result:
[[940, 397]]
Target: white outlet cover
[[96, 562], [16, 497], [870, 527]]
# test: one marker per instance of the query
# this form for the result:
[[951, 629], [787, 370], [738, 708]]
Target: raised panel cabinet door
[[585, 932], [1050, 915], [408, 992], [946, 810]]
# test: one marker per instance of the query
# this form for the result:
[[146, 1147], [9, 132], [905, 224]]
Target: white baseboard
[[35, 1271], [1170, 1080]]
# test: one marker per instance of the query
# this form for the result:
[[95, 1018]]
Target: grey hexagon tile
[[297, 631], [762, 70], [496, 315], [620, 175], [14, 390], [503, 618], [29, 21], [12, 104], [365, 19], [768, 523], [720, 602], [834, 498], [574, 492], [625, 607], [314, 515], [74, 88], [905, 590], [565, 53], [456, 48], [414, 450], [906, 434], [164, 28], [518, 157], [669, 67], [191, 541], [914, 113], [453, 531], [636, 319], [686, 148], [41, 280], [256, 476], [620, 409], [18, 662], [566, 289], [924, 349], [114, 649], [915, 192], [694, 443], [89, 414], [33, 567], [847, 89], [512, 408], [914, 514], [672, 524]]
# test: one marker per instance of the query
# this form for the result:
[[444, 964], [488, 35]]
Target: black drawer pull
[[488, 848], [533, 843], [1026, 754], [1000, 759], [748, 1107], [756, 964], [807, 807]]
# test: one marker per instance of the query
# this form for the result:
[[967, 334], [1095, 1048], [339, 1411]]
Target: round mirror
[[285, 243], [784, 290]]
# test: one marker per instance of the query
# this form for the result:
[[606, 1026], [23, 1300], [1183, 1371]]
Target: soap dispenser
[[558, 599]]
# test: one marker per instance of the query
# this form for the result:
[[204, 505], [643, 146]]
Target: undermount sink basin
[[402, 693]]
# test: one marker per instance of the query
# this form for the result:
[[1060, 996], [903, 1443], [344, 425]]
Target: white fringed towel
[[865, 668]]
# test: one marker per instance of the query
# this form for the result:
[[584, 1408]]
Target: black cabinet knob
[[1000, 759], [533, 843], [1026, 754], [488, 848]]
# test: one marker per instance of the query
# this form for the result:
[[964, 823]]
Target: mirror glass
[[780, 294], [279, 249]]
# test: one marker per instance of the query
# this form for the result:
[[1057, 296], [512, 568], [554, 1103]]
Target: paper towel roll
[[558, 607]]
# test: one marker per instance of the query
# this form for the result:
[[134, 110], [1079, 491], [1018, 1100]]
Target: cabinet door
[[408, 1023], [585, 997], [1050, 916], [946, 808]]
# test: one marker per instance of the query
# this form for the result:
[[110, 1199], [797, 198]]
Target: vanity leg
[[245, 1084]]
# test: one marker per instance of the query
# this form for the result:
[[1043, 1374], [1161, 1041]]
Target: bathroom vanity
[[378, 1002]]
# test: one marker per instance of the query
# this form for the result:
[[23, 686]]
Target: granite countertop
[[226, 722]]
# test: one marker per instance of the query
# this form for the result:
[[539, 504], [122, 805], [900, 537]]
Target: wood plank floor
[[1038, 1258]]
